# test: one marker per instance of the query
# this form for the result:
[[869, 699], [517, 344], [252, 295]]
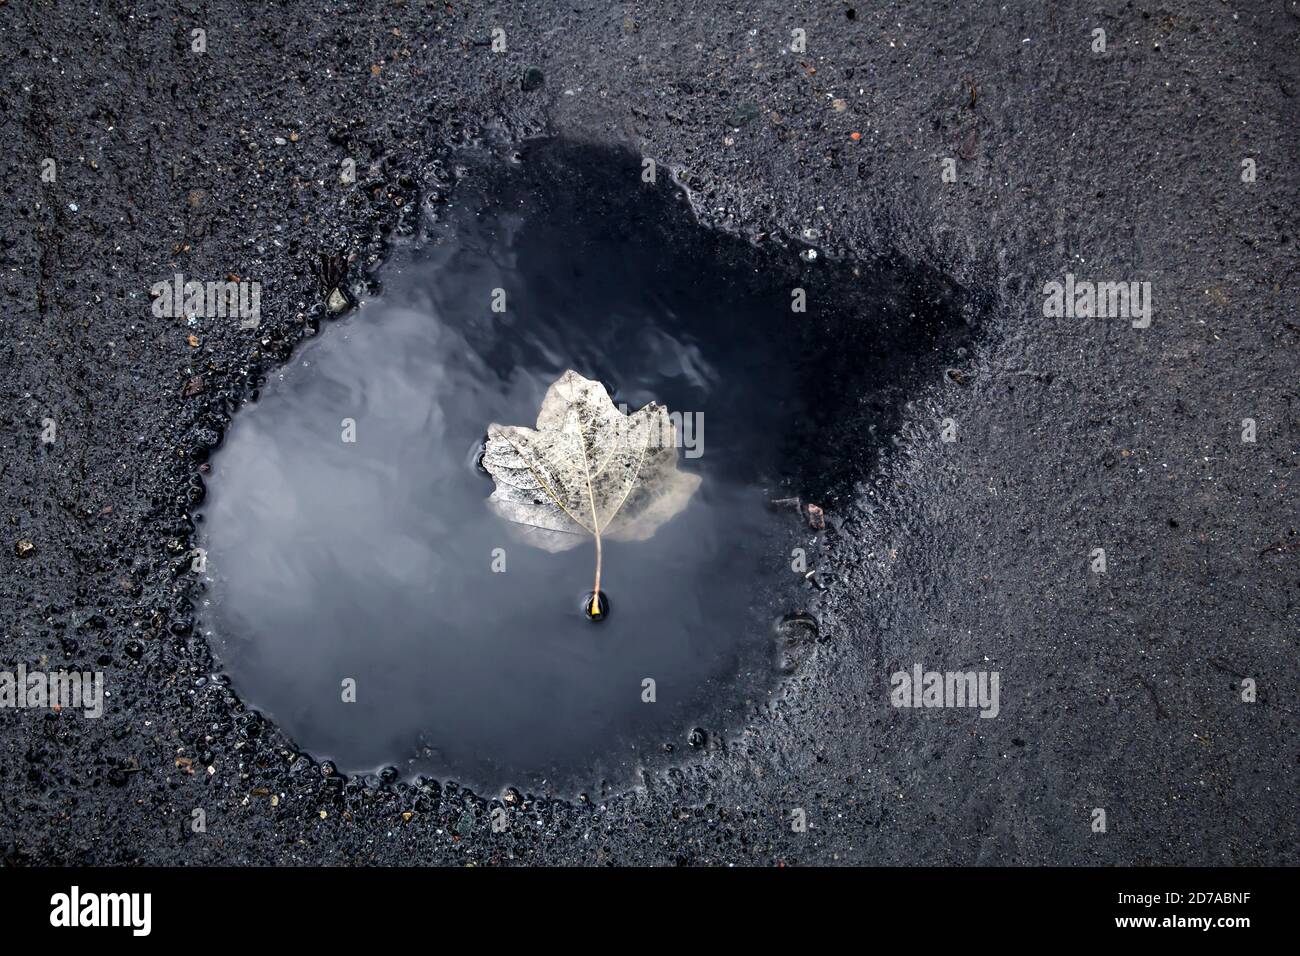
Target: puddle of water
[[373, 560]]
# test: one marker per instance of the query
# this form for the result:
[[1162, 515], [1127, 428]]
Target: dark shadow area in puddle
[[376, 560]]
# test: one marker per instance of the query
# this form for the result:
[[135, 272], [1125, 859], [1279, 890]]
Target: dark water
[[373, 560]]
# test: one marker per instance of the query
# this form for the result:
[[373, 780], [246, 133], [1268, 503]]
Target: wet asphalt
[[1120, 691]]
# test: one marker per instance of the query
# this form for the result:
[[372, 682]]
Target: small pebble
[[533, 79]]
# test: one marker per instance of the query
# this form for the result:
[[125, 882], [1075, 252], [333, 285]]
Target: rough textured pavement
[[1119, 691]]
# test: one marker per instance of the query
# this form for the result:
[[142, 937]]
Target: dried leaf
[[587, 470]]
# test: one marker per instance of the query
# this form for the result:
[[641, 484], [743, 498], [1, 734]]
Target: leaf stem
[[595, 594]]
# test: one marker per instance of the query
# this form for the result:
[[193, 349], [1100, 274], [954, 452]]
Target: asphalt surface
[[1119, 691]]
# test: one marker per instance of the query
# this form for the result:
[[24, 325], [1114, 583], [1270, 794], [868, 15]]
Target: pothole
[[362, 594]]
